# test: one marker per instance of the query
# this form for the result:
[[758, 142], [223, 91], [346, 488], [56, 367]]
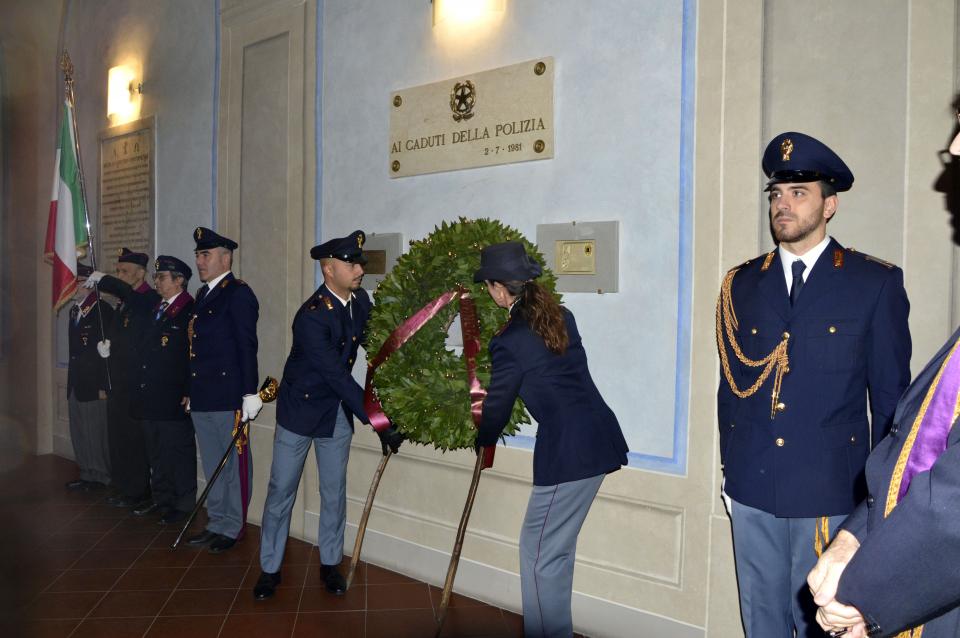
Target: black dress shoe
[[75, 485], [266, 585], [92, 486], [221, 544], [173, 517], [202, 538], [123, 502], [333, 580], [145, 508]]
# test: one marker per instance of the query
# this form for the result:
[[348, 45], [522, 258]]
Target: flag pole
[[67, 66]]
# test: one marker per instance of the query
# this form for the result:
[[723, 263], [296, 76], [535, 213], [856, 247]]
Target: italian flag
[[66, 228]]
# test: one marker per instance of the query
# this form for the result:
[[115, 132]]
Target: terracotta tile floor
[[73, 566]]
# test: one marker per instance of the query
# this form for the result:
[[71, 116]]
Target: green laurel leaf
[[423, 385]]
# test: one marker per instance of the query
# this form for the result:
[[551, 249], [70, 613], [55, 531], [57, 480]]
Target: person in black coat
[[539, 357], [160, 393], [129, 468], [893, 566], [88, 381]]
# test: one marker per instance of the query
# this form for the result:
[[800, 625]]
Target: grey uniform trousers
[[88, 433], [289, 452], [224, 504], [773, 557], [548, 548]]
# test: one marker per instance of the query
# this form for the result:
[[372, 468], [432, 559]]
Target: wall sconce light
[[465, 11], [123, 93]]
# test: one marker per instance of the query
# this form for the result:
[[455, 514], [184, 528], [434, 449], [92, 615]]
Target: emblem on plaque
[[786, 148], [462, 100], [164, 340]]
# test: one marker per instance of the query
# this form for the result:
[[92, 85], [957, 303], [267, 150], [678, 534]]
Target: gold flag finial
[[66, 64]]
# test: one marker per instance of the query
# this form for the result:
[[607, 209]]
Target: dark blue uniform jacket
[[87, 373], [848, 336], [907, 570], [164, 370], [126, 330], [223, 348], [578, 435], [316, 377]]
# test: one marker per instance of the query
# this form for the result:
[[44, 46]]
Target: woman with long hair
[[539, 357]]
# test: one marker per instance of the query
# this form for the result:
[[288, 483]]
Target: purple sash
[[936, 417]]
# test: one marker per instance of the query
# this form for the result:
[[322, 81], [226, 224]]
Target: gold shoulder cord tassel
[[777, 360], [821, 537]]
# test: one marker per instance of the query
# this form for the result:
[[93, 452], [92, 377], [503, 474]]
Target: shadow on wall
[[948, 181]]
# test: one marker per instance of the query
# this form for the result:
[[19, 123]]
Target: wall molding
[[594, 616]]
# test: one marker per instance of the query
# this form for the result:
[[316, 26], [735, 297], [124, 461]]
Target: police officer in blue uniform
[[317, 402], [129, 466], [810, 332], [896, 556], [161, 389], [539, 357], [223, 380]]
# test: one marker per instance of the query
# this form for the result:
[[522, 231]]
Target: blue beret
[[168, 263], [206, 238], [795, 158], [349, 248]]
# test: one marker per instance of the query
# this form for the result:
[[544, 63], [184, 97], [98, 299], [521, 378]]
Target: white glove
[[93, 279], [252, 404], [103, 347]]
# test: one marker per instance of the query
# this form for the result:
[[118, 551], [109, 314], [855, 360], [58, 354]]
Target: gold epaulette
[[876, 260]]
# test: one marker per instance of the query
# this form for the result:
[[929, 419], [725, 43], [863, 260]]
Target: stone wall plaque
[[127, 204], [493, 117]]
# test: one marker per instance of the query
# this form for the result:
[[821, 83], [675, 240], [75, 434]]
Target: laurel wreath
[[423, 386]]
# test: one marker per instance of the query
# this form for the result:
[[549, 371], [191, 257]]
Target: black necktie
[[202, 292], [798, 267], [160, 310]]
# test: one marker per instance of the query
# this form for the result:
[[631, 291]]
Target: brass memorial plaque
[[493, 117], [576, 257], [376, 262]]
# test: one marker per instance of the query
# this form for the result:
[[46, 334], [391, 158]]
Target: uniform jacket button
[[306, 396], [781, 406], [193, 374], [780, 441], [870, 501], [223, 374]]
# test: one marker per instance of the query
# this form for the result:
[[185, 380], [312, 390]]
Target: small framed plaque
[[382, 251], [585, 256]]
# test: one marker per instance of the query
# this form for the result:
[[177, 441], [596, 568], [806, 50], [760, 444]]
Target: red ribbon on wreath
[[470, 329]]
